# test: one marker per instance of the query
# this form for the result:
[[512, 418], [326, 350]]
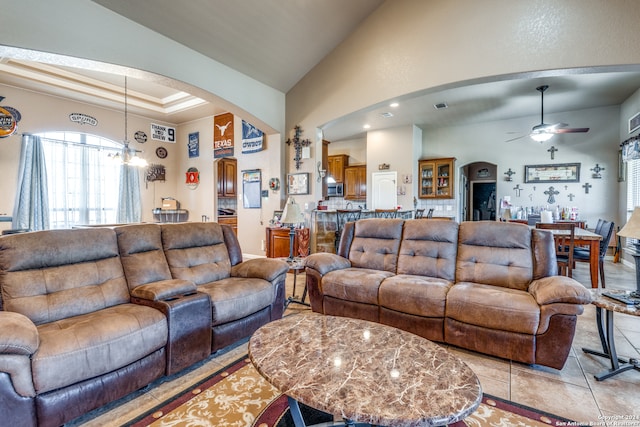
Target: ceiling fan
[[544, 131]]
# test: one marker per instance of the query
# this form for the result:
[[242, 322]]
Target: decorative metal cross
[[596, 171], [586, 187], [509, 173], [571, 196], [551, 192], [298, 144], [552, 150], [518, 190]]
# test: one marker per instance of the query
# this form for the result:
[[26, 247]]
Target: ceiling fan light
[[541, 137]]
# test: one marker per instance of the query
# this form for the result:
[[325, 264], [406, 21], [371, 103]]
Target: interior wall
[[356, 149], [407, 47], [486, 142]]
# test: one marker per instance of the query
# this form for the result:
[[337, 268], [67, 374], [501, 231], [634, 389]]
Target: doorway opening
[[479, 191]]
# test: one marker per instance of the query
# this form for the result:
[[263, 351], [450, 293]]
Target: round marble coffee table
[[363, 372]]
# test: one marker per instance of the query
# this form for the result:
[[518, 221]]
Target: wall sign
[[140, 137], [223, 135], [252, 138], [83, 119], [193, 178], [9, 118], [163, 133], [193, 144]]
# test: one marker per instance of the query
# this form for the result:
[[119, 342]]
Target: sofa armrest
[[559, 289], [163, 289], [323, 263], [18, 334], [260, 268]]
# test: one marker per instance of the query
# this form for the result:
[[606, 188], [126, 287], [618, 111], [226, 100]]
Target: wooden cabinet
[[278, 242], [436, 178], [336, 165], [355, 182], [229, 220], [227, 177]]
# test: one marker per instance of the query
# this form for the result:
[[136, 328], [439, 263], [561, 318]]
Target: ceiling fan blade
[[571, 130], [516, 138]]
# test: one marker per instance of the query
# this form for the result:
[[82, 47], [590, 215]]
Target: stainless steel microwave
[[335, 189]]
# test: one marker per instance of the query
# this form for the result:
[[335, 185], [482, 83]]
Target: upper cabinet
[[355, 182], [436, 178], [227, 177], [336, 165]]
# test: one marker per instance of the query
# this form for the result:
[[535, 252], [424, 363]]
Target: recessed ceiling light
[[366, 126], [393, 105], [440, 105]]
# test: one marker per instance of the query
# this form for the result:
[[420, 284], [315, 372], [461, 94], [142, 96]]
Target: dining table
[[584, 237]]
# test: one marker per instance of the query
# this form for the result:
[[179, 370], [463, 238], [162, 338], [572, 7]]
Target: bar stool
[[386, 213], [342, 217]]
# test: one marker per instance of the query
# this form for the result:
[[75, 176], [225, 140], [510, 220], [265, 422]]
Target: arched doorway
[[479, 191]]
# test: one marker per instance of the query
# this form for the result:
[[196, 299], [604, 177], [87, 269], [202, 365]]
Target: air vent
[[387, 114], [440, 105]]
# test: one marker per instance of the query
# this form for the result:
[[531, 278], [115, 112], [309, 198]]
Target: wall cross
[[571, 196], [518, 190], [552, 150], [298, 143], [586, 187], [551, 192], [596, 171], [509, 173]]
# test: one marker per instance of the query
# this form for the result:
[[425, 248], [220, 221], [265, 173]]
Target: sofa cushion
[[418, 295], [375, 244], [234, 298], [428, 248], [354, 284], [81, 347], [142, 255], [196, 251], [53, 274], [493, 307], [495, 253]]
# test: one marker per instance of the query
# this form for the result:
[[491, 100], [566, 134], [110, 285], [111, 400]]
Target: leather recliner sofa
[[485, 286], [90, 315]]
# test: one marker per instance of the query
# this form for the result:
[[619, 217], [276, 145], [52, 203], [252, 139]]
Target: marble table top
[[364, 372], [602, 301]]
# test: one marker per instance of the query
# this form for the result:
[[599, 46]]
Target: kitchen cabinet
[[231, 221], [436, 178], [227, 177], [355, 182], [336, 165]]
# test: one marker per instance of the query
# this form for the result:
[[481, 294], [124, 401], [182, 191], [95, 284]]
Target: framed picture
[[561, 172], [298, 183]]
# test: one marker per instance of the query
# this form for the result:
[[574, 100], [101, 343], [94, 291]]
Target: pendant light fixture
[[129, 156]]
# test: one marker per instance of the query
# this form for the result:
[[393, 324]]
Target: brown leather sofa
[[89, 315], [487, 286]]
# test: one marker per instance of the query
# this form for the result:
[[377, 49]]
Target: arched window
[[83, 180]]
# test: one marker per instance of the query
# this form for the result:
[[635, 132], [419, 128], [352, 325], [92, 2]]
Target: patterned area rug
[[238, 396]]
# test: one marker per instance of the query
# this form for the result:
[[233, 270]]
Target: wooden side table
[[606, 332]]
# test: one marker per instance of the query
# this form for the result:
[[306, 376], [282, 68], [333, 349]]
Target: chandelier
[[128, 156]]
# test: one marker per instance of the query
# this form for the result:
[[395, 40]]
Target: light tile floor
[[571, 392]]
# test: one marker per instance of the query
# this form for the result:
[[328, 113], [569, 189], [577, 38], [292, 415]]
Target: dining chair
[[565, 245], [342, 217], [386, 213], [430, 213], [584, 254], [419, 214]]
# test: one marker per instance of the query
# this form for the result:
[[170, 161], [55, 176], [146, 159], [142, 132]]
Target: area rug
[[238, 396]]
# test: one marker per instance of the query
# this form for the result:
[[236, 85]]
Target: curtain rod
[[79, 144]]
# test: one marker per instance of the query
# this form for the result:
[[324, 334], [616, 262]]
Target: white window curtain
[[633, 191], [31, 211], [129, 206]]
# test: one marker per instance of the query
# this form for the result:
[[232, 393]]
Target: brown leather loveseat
[[90, 315], [486, 286]]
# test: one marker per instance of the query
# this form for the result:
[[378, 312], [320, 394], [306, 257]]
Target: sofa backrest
[[429, 248], [495, 253], [375, 243], [196, 251], [54, 274], [141, 254]]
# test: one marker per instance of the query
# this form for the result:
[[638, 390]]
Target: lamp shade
[[632, 228], [292, 213]]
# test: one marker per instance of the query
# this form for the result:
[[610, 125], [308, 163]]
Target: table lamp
[[291, 217], [631, 230]]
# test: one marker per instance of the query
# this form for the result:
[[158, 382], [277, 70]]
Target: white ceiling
[[278, 41]]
